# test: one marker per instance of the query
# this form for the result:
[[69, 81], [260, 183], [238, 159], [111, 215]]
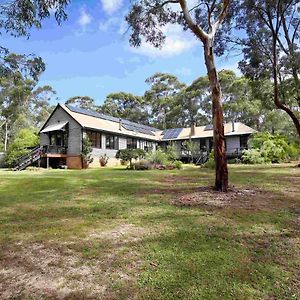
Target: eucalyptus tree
[[84, 102], [22, 104], [209, 21], [17, 17], [271, 49], [40, 107], [188, 108], [127, 106], [161, 96]]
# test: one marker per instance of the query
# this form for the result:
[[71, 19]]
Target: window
[[131, 143], [145, 145], [243, 141], [148, 146], [203, 144], [112, 142], [58, 138], [95, 138]]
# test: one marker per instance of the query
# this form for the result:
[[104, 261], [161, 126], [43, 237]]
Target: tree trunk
[[6, 137], [221, 179], [277, 101]]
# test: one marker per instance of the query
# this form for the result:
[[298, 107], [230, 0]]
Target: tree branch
[[220, 17], [168, 2], [198, 31], [295, 32]]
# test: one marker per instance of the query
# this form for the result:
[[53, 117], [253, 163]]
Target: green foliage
[[143, 164], [124, 162], [17, 17], [86, 151], [158, 157], [84, 102], [126, 106], [293, 150], [22, 103], [267, 50], [162, 94], [268, 148], [252, 156], [25, 139], [172, 152], [210, 164], [130, 154], [192, 148], [177, 164]]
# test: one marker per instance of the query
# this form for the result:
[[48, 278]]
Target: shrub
[[172, 152], [24, 140], [158, 157], [293, 151], [192, 148], [86, 151], [177, 164], [130, 154], [143, 164], [272, 152], [252, 156], [210, 164], [124, 162], [268, 148], [233, 161], [103, 160]]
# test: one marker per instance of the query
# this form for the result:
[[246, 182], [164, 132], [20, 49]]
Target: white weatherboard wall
[[111, 153], [74, 137], [232, 142]]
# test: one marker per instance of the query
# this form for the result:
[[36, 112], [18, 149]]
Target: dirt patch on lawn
[[61, 271], [245, 198], [121, 234]]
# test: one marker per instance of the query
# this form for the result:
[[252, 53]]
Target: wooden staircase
[[201, 159], [28, 159]]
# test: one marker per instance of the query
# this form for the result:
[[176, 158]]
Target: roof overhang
[[55, 127]]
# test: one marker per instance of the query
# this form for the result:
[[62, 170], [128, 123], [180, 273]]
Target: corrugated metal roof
[[94, 120]]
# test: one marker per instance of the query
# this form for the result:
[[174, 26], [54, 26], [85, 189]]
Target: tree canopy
[[18, 16]]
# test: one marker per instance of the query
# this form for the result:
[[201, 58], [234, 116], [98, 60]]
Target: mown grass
[[122, 227]]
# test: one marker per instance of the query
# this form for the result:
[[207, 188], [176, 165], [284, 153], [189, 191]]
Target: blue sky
[[89, 55]]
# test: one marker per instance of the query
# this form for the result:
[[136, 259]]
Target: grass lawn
[[117, 234]]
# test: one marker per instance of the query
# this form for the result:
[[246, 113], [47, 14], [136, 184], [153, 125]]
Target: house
[[62, 135]]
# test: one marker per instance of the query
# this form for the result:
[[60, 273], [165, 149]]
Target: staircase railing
[[201, 158], [27, 159]]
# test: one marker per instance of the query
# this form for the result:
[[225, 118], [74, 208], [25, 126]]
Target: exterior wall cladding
[[74, 135], [111, 153]]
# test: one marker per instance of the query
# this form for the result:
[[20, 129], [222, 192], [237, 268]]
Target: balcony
[[235, 152], [54, 149]]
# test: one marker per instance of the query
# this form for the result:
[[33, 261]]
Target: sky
[[90, 55]]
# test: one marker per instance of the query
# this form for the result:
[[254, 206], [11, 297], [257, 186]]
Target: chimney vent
[[120, 124], [193, 128], [232, 122]]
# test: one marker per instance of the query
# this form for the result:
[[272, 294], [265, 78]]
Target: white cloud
[[111, 6], [85, 18], [108, 24], [177, 41]]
